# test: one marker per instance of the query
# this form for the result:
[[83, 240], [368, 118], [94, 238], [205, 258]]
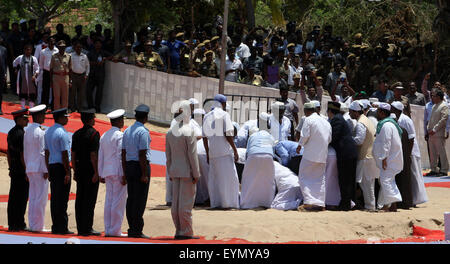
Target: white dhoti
[[366, 173], [258, 182], [202, 185], [39, 88], [389, 192], [223, 182], [419, 192], [168, 188], [37, 200], [312, 182], [115, 202], [289, 195], [333, 192]]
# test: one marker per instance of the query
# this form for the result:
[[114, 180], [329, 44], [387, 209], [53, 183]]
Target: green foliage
[[400, 19]]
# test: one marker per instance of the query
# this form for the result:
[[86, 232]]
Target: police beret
[[215, 38], [209, 52], [179, 35], [290, 45], [60, 112], [220, 98], [142, 108], [206, 41]]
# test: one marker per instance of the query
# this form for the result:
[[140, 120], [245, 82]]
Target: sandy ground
[[262, 225], [266, 225]]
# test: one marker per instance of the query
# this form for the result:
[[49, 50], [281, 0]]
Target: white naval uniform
[[110, 168], [289, 196], [388, 145], [34, 157], [314, 138], [223, 182], [419, 192]]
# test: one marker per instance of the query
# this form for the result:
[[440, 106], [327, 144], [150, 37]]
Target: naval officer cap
[[398, 105], [60, 112], [220, 98], [37, 109], [142, 108], [116, 114], [20, 113]]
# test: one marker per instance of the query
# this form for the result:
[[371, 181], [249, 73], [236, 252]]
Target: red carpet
[[4, 198], [419, 235]]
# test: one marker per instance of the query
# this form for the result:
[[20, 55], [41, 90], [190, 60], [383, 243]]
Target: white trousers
[[312, 182], [258, 182], [366, 173], [333, 192], [389, 192], [115, 202], [419, 192], [37, 200], [183, 200], [223, 182], [202, 184]]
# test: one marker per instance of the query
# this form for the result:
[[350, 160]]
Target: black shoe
[[67, 232], [138, 236], [186, 237], [431, 173], [94, 233], [442, 174]]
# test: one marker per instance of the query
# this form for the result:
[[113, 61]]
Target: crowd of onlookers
[[301, 61]]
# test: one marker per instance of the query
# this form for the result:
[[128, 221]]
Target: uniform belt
[[60, 73], [79, 74]]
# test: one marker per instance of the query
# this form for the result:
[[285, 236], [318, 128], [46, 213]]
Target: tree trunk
[[117, 6], [250, 14], [441, 27]]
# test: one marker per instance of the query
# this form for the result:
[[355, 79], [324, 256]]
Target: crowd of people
[[345, 69]]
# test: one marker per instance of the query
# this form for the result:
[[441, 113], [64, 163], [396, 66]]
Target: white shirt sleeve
[[305, 133], [360, 134], [35, 66], [87, 66]]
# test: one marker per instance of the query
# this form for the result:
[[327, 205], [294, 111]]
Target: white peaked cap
[[116, 114], [37, 108]]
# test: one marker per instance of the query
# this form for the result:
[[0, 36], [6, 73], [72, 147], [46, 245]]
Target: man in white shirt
[[366, 169], [280, 125], [419, 194], [314, 138], [37, 53], [223, 182], [34, 158], [388, 155], [111, 172], [289, 195], [44, 66], [79, 64], [232, 66]]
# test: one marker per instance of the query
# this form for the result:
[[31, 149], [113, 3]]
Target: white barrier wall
[[127, 86]]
